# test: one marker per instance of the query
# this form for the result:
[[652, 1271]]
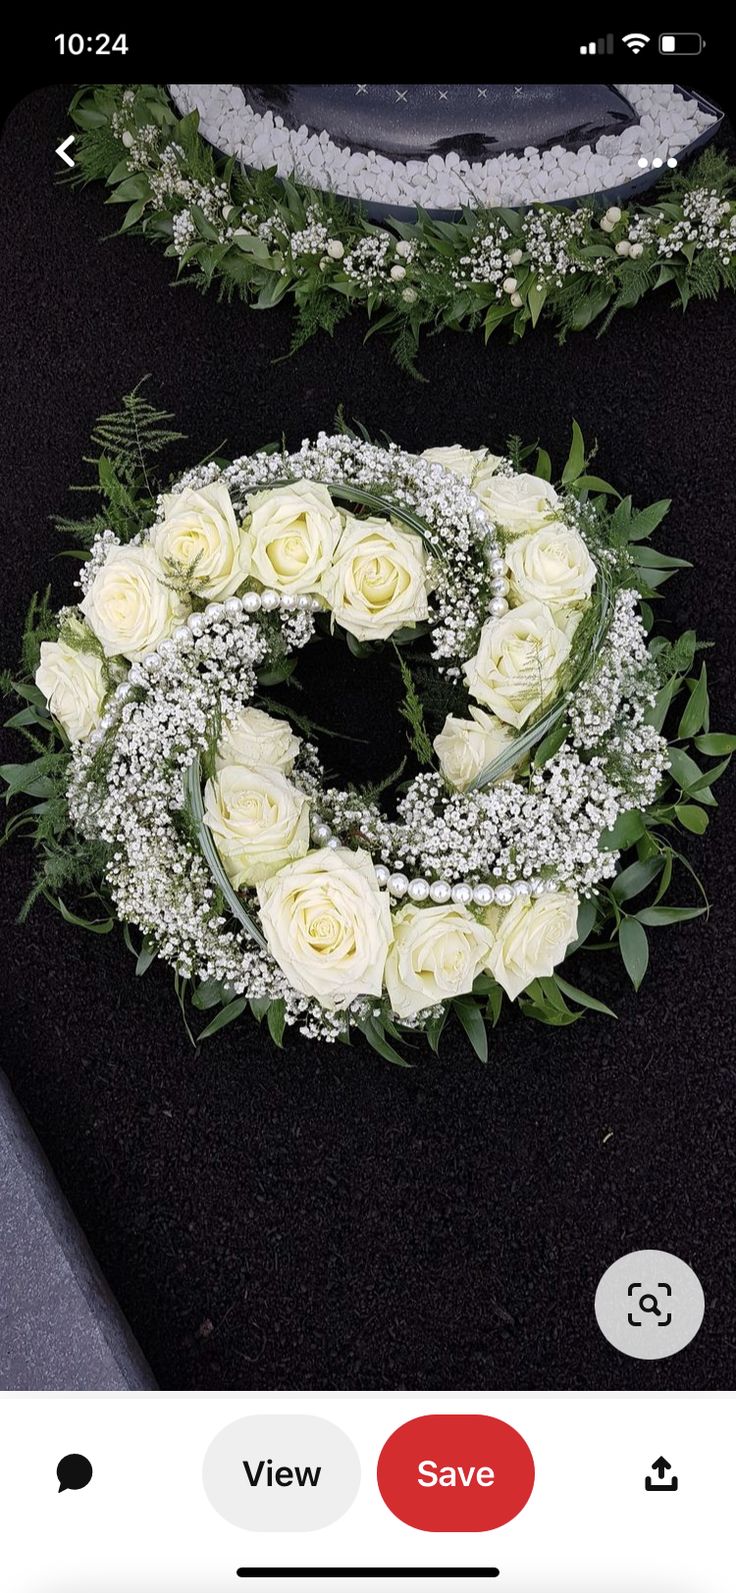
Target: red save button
[[455, 1473]]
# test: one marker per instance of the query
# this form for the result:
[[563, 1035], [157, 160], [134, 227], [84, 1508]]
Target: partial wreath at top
[[426, 206]]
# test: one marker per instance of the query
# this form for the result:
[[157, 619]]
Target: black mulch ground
[[315, 1218]]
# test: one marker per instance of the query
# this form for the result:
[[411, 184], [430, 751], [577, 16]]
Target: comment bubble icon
[[73, 1471]]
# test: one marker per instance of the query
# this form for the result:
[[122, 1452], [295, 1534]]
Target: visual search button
[[281, 1473], [455, 1473], [649, 1304]]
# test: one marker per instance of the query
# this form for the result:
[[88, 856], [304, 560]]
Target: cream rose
[[294, 532], [129, 604], [466, 746], [437, 953], [552, 566], [74, 686], [378, 581], [259, 741], [200, 537], [517, 503], [328, 925], [461, 461], [259, 821], [519, 658], [530, 938]]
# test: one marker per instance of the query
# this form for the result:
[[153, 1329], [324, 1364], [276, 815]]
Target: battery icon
[[681, 43]]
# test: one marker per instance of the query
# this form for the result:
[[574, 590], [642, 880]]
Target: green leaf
[[210, 993], [692, 818], [684, 768], [656, 715], [275, 1018], [582, 998], [587, 914], [634, 949], [646, 520], [595, 484], [434, 1028], [575, 464], [627, 830], [544, 465], [696, 709], [715, 745], [551, 744], [376, 1038], [96, 926], [655, 917], [634, 879], [471, 1018], [536, 297], [226, 1015], [146, 956]]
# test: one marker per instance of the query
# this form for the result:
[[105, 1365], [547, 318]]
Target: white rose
[[200, 535], [437, 953], [461, 461], [378, 581], [518, 662], [259, 821], [294, 533], [530, 938], [73, 684], [517, 503], [328, 925], [129, 604], [552, 565], [466, 746], [259, 741]]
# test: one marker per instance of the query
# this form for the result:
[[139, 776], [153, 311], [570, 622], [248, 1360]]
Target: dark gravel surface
[[315, 1218]]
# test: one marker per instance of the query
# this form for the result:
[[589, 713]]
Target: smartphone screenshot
[[367, 1116]]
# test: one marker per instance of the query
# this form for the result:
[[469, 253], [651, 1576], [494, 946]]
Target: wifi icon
[[636, 41]]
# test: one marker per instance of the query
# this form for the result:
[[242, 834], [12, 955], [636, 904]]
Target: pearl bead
[[497, 565], [504, 895], [462, 894], [322, 833], [182, 635], [419, 890], [166, 648], [498, 607], [270, 599], [499, 585], [152, 661], [551, 886], [136, 675], [252, 602], [333, 843], [314, 604], [382, 874], [537, 887], [233, 606], [214, 611], [288, 600], [398, 884], [440, 891], [483, 895], [196, 624], [304, 601], [521, 888]]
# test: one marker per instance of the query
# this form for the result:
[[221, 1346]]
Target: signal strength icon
[[635, 41], [599, 47]]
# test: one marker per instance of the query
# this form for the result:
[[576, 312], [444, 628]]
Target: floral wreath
[[262, 238], [212, 827]]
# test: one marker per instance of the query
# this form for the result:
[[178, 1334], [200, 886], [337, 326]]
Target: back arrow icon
[[61, 150]]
